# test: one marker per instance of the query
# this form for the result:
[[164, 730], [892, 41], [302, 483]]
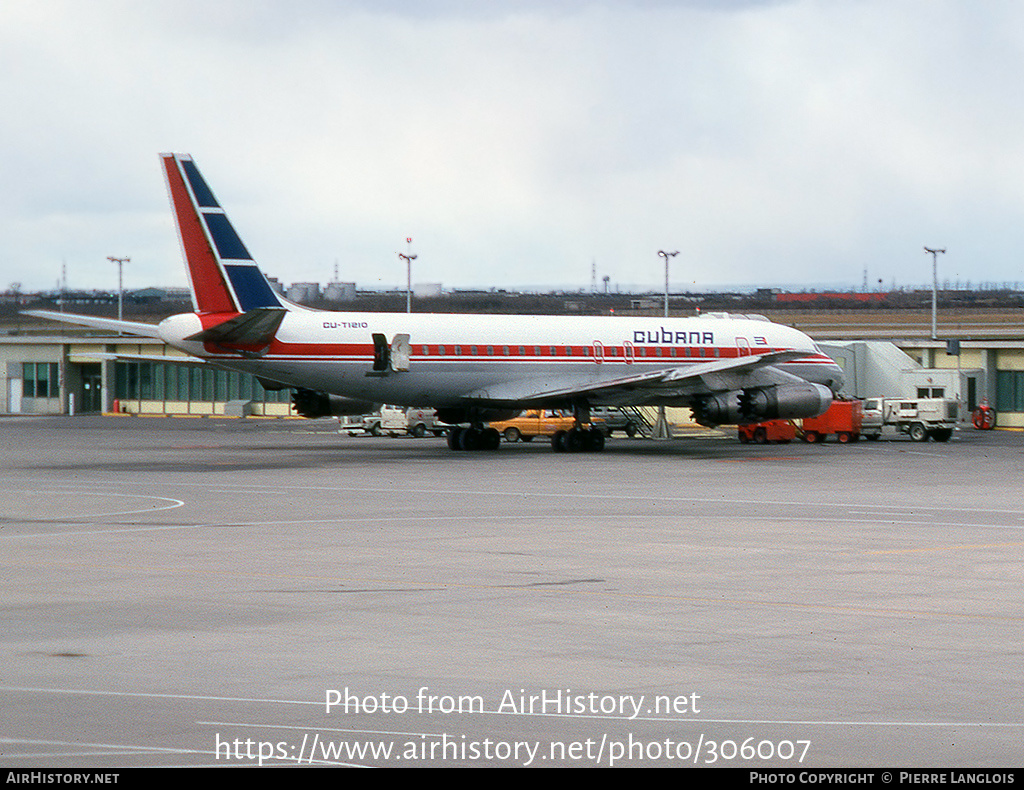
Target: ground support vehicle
[[394, 420], [919, 418], [535, 422], [779, 431], [611, 418], [844, 418], [352, 424], [387, 419], [420, 422]]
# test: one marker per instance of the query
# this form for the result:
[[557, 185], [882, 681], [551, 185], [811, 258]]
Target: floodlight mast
[[666, 256], [934, 252], [120, 286], [408, 258]]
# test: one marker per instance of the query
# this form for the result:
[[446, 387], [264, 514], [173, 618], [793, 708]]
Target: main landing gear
[[583, 437], [473, 438], [578, 440]]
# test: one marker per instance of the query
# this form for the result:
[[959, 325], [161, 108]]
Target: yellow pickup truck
[[535, 422]]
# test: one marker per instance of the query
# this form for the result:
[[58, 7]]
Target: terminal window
[[1010, 390], [40, 380]]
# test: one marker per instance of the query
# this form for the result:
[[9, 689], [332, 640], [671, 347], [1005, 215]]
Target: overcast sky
[[789, 143]]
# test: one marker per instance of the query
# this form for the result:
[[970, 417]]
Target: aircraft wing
[[128, 327], [650, 386]]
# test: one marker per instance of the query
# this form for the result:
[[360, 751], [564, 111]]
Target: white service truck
[[920, 418], [395, 420]]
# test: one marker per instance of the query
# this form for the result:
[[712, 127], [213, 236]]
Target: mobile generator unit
[[920, 418]]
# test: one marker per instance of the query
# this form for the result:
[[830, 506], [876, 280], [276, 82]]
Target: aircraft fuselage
[[458, 359]]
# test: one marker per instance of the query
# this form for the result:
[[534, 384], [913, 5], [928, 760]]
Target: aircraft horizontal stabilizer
[[164, 359], [127, 327], [256, 327]]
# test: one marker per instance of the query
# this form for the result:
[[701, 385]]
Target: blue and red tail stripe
[[223, 275]]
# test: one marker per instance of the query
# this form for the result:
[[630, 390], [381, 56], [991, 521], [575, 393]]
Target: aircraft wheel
[[469, 439], [490, 439], [453, 438], [574, 440], [594, 440], [558, 442]]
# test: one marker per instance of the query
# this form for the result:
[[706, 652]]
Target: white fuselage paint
[[459, 359]]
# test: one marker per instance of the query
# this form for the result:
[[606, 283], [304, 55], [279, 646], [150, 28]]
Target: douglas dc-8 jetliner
[[472, 368]]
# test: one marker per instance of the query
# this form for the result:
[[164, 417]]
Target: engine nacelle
[[786, 402], [723, 409], [311, 404]]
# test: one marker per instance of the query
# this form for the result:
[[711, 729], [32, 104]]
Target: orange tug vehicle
[[843, 418], [780, 431]]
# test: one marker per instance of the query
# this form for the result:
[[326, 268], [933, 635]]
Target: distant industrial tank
[[304, 293], [426, 290], [340, 292]]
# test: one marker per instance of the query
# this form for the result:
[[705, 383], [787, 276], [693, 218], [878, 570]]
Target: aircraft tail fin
[[223, 276]]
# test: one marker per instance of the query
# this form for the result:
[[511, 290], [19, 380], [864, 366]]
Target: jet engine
[[786, 401], [311, 404]]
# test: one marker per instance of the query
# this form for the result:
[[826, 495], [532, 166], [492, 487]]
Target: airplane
[[471, 368]]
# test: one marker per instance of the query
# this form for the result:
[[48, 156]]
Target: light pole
[[120, 286], [666, 256], [408, 258], [935, 285], [661, 430]]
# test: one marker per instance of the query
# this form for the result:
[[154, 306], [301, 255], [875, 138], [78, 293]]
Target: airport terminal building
[[75, 372], [76, 375]]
